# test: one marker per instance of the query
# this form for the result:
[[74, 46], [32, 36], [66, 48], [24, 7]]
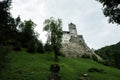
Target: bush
[[117, 59], [85, 56], [31, 47], [17, 47], [95, 70], [48, 47], [40, 48]]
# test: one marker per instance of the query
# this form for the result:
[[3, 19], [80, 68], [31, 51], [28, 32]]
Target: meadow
[[26, 66]]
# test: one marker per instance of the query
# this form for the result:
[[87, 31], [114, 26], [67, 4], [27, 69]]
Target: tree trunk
[[56, 55]]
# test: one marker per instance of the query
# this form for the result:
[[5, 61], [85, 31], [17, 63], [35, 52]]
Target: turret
[[72, 29]]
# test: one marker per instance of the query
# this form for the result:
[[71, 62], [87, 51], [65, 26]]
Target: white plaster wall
[[66, 38], [74, 32]]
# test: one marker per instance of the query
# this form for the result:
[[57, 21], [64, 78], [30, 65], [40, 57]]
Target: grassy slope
[[26, 66]]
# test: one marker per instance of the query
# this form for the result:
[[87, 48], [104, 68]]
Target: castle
[[71, 33], [73, 45]]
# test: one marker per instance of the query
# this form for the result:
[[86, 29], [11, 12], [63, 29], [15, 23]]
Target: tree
[[110, 55], [111, 9], [55, 30], [117, 59], [5, 33], [27, 33], [8, 25], [5, 18]]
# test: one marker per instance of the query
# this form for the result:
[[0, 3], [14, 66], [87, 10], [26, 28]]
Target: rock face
[[73, 45], [76, 47]]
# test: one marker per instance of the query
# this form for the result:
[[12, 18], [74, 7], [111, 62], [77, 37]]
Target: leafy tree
[[6, 33], [28, 37], [8, 25], [27, 32], [111, 9], [55, 30], [48, 46], [5, 18]]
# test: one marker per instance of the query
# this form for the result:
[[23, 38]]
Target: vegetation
[[25, 66], [55, 34], [40, 47], [15, 34], [6, 22], [111, 55], [111, 9], [6, 32], [27, 30], [48, 47]]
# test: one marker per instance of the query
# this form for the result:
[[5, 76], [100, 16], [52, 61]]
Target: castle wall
[[73, 45], [66, 37], [68, 34]]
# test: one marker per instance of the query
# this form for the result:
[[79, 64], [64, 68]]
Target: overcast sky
[[85, 14]]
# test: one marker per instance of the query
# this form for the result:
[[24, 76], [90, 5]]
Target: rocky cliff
[[78, 48]]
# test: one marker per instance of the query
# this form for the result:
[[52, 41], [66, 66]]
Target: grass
[[25, 66]]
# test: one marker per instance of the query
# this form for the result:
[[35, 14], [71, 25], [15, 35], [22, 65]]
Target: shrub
[[95, 70], [40, 48], [31, 46], [17, 47], [48, 47]]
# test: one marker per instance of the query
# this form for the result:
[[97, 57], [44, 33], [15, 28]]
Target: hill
[[110, 54], [25, 66]]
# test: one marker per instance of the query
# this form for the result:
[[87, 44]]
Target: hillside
[[110, 54], [25, 66]]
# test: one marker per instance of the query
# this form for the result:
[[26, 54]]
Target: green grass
[[25, 66]]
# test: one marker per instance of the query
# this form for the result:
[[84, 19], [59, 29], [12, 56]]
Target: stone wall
[[75, 45], [75, 48], [78, 48]]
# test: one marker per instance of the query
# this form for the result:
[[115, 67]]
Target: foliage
[[55, 34], [6, 33], [25, 66], [27, 32], [96, 70], [35, 46], [111, 9], [40, 47], [48, 48], [8, 25], [116, 57], [31, 46], [13, 31], [17, 46], [110, 54]]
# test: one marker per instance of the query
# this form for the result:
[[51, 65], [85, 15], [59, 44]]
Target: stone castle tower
[[72, 29], [71, 34], [73, 45]]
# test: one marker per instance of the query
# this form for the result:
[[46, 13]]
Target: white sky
[[86, 14]]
